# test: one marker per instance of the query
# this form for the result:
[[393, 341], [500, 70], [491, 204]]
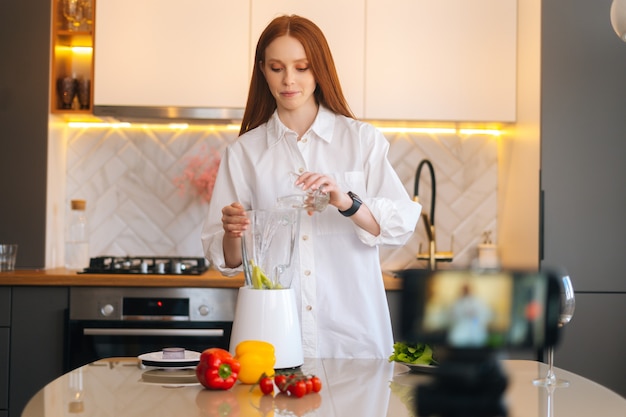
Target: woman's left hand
[[325, 184]]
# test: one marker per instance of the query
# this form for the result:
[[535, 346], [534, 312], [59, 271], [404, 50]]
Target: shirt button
[[307, 272], [305, 237], [301, 170], [304, 140], [309, 307]]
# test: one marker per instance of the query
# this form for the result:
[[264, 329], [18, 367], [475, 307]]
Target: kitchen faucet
[[432, 256]]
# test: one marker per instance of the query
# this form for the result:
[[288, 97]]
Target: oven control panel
[[143, 304]]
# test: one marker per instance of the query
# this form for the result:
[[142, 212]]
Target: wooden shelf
[[71, 39]]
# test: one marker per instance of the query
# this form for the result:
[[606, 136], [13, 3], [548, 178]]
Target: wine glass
[[568, 303], [87, 7], [73, 13]]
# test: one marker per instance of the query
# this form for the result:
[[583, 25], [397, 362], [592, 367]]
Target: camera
[[468, 317]]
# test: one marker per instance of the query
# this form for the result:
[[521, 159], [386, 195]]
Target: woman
[[297, 120]]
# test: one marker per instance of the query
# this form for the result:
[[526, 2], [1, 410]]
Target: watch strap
[[356, 204]]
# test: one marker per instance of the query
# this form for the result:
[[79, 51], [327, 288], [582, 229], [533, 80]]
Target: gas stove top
[[155, 265]]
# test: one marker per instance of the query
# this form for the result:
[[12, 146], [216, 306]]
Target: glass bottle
[[76, 237]]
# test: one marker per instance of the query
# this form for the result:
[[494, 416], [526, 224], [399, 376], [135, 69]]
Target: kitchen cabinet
[[344, 30], [443, 60], [186, 53], [593, 342], [582, 150], [36, 344], [5, 322], [72, 57], [448, 60]]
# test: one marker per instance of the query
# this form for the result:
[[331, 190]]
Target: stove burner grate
[[146, 265]]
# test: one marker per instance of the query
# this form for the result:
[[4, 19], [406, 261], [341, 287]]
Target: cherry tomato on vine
[[298, 388], [267, 385], [281, 382], [317, 384], [309, 385]]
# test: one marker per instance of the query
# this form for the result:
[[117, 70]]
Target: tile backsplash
[[127, 176]]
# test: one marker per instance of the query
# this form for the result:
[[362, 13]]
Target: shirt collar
[[323, 127]]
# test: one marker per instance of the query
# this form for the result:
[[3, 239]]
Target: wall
[[134, 207]]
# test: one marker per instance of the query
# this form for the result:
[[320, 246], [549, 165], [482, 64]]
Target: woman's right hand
[[234, 220]]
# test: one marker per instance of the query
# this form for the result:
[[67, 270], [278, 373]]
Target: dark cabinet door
[[4, 369], [5, 322], [37, 341], [583, 144]]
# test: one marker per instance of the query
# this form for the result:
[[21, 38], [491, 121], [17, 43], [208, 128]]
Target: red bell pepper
[[217, 369]]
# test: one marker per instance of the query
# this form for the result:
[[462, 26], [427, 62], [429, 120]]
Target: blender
[[266, 306]]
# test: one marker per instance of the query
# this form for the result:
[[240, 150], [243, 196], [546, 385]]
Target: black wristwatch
[[356, 203]]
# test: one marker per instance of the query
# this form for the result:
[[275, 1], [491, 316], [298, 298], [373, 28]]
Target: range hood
[[169, 114]]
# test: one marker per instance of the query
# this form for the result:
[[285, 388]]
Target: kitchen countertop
[[361, 387], [65, 277]]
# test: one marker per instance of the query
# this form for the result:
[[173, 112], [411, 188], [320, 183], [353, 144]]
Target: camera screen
[[465, 309]]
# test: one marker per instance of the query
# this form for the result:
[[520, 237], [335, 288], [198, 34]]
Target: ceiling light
[[618, 18]]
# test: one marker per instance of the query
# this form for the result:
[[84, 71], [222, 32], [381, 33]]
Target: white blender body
[[270, 315]]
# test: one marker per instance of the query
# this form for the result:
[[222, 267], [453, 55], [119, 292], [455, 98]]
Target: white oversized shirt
[[339, 288]]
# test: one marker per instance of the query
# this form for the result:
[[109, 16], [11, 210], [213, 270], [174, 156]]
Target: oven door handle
[[152, 332]]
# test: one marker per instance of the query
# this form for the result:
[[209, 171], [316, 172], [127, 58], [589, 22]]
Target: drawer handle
[[153, 332]]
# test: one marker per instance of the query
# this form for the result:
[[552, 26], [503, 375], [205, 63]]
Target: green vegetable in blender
[[415, 353], [260, 281]]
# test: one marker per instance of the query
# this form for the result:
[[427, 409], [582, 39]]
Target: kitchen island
[[120, 387]]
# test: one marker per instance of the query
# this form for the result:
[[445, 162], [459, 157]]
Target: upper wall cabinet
[[442, 60], [343, 24], [437, 60], [188, 53]]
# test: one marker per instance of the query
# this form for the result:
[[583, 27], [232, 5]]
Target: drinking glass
[[568, 303], [310, 200]]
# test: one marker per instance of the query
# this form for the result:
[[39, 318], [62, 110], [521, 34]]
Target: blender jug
[[267, 248], [266, 306]]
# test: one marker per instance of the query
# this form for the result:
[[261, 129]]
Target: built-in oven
[[117, 321]]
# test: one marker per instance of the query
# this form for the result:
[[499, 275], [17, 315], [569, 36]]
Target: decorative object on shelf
[[84, 92], [618, 18], [66, 88], [200, 173]]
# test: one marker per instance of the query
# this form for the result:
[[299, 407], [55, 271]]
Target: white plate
[[420, 368], [170, 377], [156, 359]]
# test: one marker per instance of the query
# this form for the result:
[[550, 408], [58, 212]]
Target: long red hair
[[261, 104]]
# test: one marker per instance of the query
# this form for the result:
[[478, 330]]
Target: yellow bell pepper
[[256, 358]]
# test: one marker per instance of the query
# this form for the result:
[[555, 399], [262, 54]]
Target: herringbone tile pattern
[[134, 208]]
